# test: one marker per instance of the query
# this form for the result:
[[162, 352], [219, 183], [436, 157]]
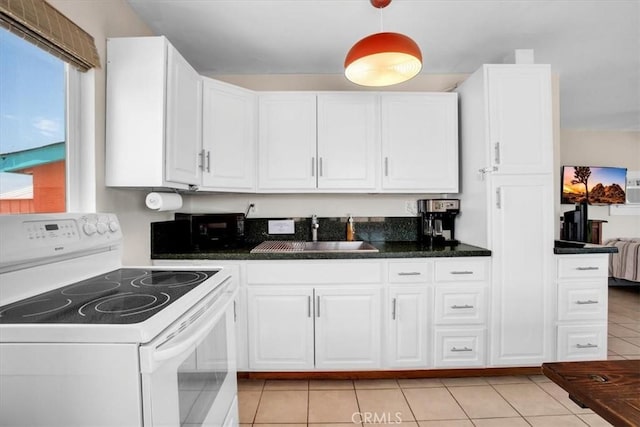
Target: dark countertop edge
[[386, 250], [586, 250]]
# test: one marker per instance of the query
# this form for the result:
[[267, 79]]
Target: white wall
[[602, 148]]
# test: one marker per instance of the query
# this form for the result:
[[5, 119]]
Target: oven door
[[189, 372]]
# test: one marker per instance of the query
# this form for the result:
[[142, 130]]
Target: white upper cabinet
[[153, 115], [228, 137], [420, 142], [348, 141], [287, 141], [310, 142], [519, 118]]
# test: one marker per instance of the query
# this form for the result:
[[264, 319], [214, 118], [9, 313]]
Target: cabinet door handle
[[465, 348], [386, 166], [587, 268], [496, 149], [201, 160], [393, 308], [460, 307], [235, 312], [313, 166], [462, 272], [498, 198], [208, 161], [409, 273], [320, 169], [318, 306], [587, 345], [589, 301]]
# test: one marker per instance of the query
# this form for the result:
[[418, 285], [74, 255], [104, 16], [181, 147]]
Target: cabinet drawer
[[588, 342], [459, 347], [459, 304], [586, 300], [410, 272], [454, 271], [583, 266], [312, 272]]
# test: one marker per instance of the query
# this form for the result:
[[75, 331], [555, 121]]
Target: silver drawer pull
[[465, 348], [587, 345], [589, 301], [409, 273], [587, 268], [462, 272], [458, 307]]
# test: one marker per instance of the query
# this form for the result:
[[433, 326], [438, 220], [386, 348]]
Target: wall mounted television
[[595, 185]]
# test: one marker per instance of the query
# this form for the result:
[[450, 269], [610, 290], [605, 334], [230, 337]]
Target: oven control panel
[[51, 231], [40, 237]]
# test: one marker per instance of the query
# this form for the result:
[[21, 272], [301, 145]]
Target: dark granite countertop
[[386, 250], [564, 247]]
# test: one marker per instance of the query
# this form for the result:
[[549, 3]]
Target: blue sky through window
[[32, 100]]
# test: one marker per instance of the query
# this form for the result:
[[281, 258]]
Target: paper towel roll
[[164, 201]]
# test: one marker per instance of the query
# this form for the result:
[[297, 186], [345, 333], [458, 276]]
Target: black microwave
[[213, 231], [197, 232]]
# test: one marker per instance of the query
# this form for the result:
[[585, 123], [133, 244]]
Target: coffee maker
[[437, 221]]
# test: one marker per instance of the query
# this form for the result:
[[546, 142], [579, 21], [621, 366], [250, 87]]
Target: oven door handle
[[187, 337]]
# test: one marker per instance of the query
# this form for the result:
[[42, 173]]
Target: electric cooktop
[[123, 296]]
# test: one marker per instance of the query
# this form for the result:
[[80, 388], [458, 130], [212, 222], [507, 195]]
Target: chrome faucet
[[314, 228]]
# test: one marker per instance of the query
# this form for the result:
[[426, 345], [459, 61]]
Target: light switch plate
[[281, 226]]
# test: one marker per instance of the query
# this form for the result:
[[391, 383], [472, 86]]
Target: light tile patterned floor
[[448, 402]]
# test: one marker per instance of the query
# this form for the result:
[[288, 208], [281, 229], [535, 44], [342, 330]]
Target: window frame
[[80, 140]]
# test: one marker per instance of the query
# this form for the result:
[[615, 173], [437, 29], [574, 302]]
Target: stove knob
[[89, 228], [102, 228], [114, 226]]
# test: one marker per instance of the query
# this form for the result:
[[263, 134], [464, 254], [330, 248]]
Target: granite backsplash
[[372, 229]]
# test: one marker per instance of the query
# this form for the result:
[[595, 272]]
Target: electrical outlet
[[411, 207]]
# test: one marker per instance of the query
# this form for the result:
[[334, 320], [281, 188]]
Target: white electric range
[[87, 342]]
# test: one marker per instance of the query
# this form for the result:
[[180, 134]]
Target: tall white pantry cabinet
[[507, 198]]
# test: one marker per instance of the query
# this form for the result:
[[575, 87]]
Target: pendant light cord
[[381, 20]]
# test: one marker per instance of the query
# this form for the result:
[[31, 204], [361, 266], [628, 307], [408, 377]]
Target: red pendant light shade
[[383, 59]]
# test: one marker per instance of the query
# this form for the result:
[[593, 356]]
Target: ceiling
[[593, 45]]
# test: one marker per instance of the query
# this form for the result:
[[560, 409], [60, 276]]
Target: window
[[33, 130]]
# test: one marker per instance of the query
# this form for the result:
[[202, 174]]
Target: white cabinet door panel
[[420, 142], [406, 317], [228, 137], [348, 328], [348, 141], [520, 118], [522, 252], [287, 141], [280, 328], [184, 115]]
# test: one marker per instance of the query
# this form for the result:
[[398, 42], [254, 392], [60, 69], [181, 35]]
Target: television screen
[[596, 185]]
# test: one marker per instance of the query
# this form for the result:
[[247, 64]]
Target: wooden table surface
[[610, 388]]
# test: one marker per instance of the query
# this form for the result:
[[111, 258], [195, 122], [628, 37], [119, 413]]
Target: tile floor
[[511, 401]]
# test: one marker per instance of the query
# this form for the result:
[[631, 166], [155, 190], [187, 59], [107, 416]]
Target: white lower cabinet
[[460, 312], [300, 327], [348, 328], [281, 328], [314, 315], [407, 330], [582, 306]]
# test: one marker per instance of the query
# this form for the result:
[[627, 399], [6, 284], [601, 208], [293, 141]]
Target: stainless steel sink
[[299, 246]]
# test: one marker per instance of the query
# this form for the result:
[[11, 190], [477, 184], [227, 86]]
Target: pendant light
[[383, 59]]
